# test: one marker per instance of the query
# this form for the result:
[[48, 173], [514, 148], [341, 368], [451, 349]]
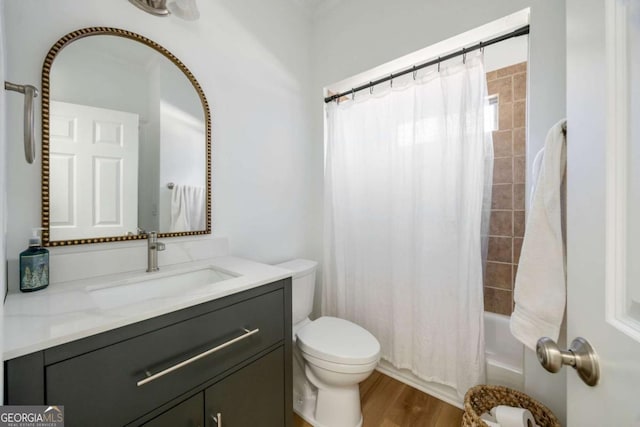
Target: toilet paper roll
[[508, 416], [489, 420]]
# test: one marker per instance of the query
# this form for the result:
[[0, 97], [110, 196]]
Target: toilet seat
[[340, 368], [339, 342]]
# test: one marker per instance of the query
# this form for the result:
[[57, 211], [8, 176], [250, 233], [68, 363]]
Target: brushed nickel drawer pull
[[153, 377], [217, 419]]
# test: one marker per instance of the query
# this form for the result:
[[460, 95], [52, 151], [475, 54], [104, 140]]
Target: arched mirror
[[126, 141]]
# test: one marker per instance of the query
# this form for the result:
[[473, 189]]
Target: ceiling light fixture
[[185, 9], [154, 7]]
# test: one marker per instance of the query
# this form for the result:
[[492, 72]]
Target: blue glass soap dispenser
[[34, 265]]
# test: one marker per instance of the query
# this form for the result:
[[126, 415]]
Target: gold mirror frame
[[46, 69]]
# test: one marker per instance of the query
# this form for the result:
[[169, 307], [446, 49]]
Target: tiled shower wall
[[507, 205]]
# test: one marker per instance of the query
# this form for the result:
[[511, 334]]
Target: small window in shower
[[491, 114]]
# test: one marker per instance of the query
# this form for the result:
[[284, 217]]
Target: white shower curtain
[[404, 185]]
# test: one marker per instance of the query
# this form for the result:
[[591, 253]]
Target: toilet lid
[[338, 340]]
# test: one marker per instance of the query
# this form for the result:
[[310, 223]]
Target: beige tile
[[519, 142], [501, 223], [505, 115], [502, 143], [518, 196], [500, 249], [502, 196], [492, 75], [503, 170], [519, 87], [498, 301], [498, 275], [519, 114], [517, 248], [519, 169], [512, 69], [518, 223], [520, 67], [503, 88]]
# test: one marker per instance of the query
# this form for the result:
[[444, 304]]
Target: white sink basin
[[152, 286]]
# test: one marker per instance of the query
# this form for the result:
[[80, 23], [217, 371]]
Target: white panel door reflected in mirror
[[94, 175]]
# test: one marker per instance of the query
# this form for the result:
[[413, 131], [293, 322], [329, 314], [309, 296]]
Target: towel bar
[[30, 92]]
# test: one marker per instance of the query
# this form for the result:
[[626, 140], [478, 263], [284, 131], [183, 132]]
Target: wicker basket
[[482, 398]]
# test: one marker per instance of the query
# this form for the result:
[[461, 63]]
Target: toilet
[[331, 357]]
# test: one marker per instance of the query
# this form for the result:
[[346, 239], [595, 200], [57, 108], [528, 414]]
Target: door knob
[[581, 356]]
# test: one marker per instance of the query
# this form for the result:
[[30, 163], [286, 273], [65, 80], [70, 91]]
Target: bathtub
[[504, 353], [504, 358]]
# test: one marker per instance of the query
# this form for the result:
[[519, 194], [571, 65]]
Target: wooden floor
[[390, 403]]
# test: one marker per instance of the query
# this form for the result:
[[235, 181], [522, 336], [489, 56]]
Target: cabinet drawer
[[101, 387]]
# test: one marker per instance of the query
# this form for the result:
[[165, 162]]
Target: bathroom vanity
[[222, 360], [204, 341]]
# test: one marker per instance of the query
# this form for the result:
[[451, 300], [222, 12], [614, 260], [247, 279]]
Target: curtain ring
[[464, 56], [415, 72], [370, 88], [438, 64], [353, 94], [481, 48], [391, 80]]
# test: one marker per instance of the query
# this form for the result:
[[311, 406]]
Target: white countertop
[[69, 311]]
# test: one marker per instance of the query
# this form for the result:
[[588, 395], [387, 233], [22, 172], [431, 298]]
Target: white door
[[94, 171], [603, 216]]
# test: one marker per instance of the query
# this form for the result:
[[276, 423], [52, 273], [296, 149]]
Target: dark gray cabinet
[[186, 414], [231, 355], [249, 397]]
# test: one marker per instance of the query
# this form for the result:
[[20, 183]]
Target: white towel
[[535, 173], [540, 288], [187, 208]]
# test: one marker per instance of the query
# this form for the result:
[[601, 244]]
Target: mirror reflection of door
[[94, 178]]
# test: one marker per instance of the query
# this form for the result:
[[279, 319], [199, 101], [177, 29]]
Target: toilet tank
[[302, 286]]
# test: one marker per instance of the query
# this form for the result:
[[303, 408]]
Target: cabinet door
[[252, 396], [187, 414]]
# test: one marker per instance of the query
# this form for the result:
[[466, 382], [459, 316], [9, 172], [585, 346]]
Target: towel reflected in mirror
[[187, 208]]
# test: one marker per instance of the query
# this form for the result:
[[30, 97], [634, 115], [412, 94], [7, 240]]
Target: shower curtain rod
[[522, 31]]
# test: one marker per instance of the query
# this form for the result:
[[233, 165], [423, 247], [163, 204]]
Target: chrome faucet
[[153, 247]]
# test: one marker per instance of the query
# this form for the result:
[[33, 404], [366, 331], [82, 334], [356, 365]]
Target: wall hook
[[30, 92]]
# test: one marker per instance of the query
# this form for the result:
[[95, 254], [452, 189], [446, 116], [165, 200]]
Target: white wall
[[357, 35], [252, 60], [505, 53], [3, 185], [80, 71]]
